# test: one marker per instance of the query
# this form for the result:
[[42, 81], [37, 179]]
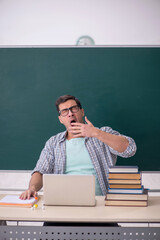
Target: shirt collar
[[63, 137]]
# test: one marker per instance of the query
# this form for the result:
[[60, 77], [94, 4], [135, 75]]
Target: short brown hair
[[65, 98]]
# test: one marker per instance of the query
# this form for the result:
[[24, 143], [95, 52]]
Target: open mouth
[[73, 121]]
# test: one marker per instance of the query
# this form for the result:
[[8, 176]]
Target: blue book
[[126, 190]]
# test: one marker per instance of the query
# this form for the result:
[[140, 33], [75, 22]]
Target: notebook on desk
[[69, 190]]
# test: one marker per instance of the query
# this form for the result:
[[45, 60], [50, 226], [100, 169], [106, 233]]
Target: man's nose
[[70, 113]]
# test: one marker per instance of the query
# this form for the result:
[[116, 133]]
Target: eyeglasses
[[73, 109]]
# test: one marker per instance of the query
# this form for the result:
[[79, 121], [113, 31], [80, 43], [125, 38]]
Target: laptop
[[68, 190]]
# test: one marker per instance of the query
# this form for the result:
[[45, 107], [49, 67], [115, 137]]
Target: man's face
[[70, 117]]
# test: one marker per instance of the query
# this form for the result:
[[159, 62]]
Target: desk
[[93, 219]]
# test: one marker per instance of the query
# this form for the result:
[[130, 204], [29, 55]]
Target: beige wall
[[62, 22]]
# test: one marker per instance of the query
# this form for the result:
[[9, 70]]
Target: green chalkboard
[[118, 87]]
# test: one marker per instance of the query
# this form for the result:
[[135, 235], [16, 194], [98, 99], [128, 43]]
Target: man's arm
[[118, 143], [35, 185]]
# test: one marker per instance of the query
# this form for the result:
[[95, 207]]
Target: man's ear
[[60, 119], [82, 112]]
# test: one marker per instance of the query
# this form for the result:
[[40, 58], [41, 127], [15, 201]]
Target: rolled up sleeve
[[131, 148]]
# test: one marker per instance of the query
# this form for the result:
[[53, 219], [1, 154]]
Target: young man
[[81, 149]]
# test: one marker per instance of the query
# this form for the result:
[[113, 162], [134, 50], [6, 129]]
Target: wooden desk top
[[99, 213]]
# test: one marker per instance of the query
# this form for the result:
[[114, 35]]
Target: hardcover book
[[128, 169], [131, 203], [125, 175], [125, 186], [127, 196], [125, 190], [125, 181]]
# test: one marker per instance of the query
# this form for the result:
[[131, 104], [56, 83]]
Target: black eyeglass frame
[[71, 109]]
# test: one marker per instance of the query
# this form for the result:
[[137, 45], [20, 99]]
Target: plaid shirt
[[53, 156]]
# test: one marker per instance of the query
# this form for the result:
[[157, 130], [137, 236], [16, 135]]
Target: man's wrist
[[32, 188], [96, 132]]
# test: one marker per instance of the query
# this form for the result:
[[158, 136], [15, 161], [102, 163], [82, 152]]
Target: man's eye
[[74, 108], [64, 111]]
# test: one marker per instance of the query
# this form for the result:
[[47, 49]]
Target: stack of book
[[125, 187]]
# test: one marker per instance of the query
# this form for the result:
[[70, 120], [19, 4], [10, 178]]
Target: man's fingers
[[27, 194], [87, 121], [23, 195], [74, 128], [77, 124], [35, 194]]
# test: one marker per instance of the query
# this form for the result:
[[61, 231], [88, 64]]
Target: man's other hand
[[27, 194]]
